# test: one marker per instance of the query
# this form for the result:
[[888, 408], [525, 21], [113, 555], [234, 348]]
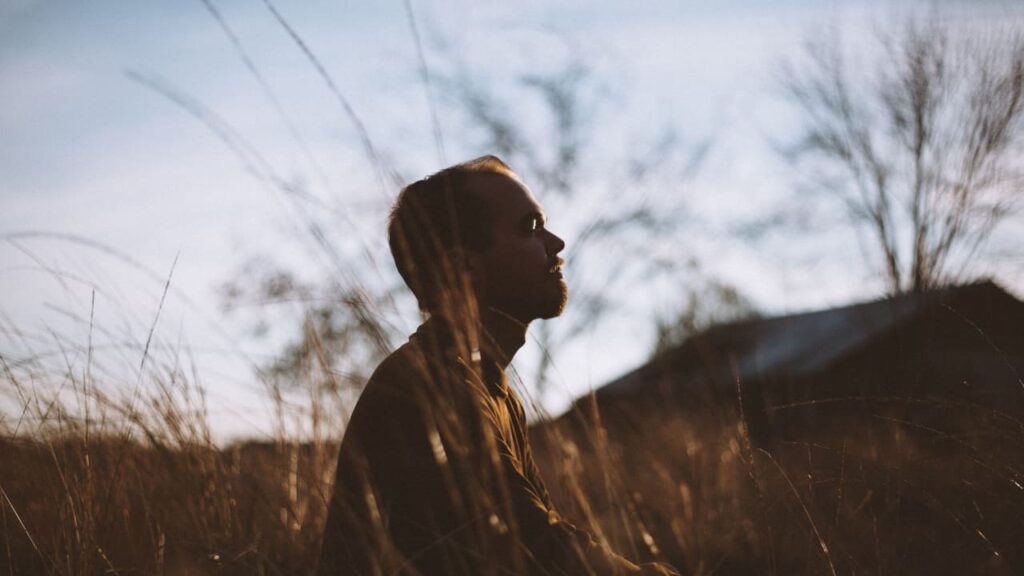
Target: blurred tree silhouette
[[619, 215], [710, 302], [921, 145]]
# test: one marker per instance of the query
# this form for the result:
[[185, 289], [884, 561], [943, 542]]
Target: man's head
[[474, 230]]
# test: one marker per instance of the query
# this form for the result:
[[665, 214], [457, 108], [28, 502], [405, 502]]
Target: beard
[[554, 300], [546, 299]]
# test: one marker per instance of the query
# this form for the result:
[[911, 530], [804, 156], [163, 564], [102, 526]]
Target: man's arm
[[556, 545], [553, 543], [599, 558]]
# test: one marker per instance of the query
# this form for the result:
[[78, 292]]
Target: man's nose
[[555, 244]]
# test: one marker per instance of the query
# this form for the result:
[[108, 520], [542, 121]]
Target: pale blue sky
[[88, 152]]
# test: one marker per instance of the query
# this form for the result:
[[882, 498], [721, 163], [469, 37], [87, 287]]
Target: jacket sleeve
[[552, 544]]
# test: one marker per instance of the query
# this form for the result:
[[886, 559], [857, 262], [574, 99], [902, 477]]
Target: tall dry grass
[[99, 482], [92, 484]]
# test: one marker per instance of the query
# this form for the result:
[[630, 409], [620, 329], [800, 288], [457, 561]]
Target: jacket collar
[[440, 336]]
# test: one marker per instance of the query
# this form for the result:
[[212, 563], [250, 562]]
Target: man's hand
[[657, 569]]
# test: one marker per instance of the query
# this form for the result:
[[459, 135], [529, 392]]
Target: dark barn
[[961, 347], [886, 436]]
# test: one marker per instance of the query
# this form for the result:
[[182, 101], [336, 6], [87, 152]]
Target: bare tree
[[710, 302], [921, 145]]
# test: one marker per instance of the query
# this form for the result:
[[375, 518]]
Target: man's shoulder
[[396, 376], [388, 403], [423, 377], [412, 386], [410, 370], [420, 364]]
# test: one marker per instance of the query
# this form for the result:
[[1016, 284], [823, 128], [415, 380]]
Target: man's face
[[522, 274]]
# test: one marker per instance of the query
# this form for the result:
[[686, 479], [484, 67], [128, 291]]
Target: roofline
[[941, 294]]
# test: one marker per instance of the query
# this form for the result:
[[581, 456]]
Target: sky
[[109, 188]]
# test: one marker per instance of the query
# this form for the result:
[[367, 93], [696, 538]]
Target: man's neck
[[502, 336]]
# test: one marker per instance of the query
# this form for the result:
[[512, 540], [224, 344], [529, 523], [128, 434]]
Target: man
[[435, 474]]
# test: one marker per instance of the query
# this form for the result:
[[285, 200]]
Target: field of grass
[[141, 488]]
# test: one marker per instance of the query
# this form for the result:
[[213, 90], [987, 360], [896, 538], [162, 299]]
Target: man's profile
[[435, 474]]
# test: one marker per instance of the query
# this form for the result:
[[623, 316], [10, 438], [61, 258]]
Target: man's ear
[[468, 260], [472, 263], [465, 261]]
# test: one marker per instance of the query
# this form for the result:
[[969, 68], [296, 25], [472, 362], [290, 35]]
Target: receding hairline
[[452, 207], [482, 166], [476, 180]]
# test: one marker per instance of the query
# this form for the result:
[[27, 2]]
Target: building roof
[[798, 344]]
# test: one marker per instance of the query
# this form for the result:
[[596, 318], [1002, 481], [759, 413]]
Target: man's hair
[[434, 217]]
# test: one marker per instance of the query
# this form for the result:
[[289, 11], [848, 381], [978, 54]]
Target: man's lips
[[556, 267]]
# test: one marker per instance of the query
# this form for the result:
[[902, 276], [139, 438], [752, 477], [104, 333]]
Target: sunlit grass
[[93, 484]]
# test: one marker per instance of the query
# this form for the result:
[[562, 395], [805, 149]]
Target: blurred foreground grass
[[882, 488]]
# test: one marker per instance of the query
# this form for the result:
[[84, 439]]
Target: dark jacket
[[435, 475]]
